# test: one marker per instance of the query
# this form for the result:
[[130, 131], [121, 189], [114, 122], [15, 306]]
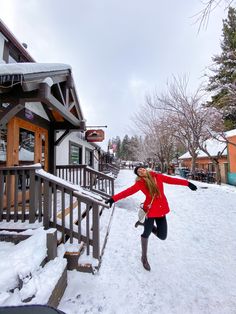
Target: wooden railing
[[30, 194], [87, 177], [114, 169]]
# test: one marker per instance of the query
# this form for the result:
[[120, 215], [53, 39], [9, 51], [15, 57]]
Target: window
[[75, 154], [89, 157], [211, 167], [11, 59], [26, 145], [3, 145], [11, 54]]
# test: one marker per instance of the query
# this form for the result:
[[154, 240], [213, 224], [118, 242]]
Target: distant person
[[156, 205]]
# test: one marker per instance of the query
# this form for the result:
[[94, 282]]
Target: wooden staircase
[[76, 222], [31, 270]]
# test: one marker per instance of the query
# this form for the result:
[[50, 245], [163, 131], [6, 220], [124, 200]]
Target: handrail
[[43, 193], [87, 177]]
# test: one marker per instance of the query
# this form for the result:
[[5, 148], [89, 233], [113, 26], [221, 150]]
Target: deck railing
[[87, 177], [30, 194], [114, 169]]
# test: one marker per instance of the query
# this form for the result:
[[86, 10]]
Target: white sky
[[119, 50], [193, 270]]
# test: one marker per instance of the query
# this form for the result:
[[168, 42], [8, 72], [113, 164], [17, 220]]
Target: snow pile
[[31, 67], [17, 265], [21, 277]]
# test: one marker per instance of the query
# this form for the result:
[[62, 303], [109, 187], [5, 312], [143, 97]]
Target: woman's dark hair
[[136, 169], [150, 183]]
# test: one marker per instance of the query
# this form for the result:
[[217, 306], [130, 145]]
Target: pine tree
[[125, 148], [225, 72]]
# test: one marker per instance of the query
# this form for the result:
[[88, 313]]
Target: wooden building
[[44, 177], [231, 136], [225, 154], [40, 103]]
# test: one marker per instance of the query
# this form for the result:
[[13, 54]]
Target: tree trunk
[[193, 165], [162, 166], [218, 174]]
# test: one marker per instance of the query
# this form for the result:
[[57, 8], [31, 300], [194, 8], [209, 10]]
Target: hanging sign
[[94, 135]]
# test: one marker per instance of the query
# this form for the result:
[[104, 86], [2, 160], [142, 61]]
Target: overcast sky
[[118, 49]]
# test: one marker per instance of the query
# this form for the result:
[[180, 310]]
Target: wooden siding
[[232, 154]]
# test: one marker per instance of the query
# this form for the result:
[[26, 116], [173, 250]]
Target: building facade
[[41, 120]]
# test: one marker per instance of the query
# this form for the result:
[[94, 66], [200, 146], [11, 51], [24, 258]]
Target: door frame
[[13, 131]]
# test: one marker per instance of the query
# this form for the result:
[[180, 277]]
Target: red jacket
[[160, 205]]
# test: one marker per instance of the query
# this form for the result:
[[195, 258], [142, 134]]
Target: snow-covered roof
[[213, 146], [31, 67], [231, 133]]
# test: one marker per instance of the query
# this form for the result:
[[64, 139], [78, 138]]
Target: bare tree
[[203, 16], [192, 122], [159, 139], [185, 113]]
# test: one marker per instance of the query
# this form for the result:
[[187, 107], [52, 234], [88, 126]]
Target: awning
[[49, 83]]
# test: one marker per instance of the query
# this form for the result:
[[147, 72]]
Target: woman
[[155, 205]]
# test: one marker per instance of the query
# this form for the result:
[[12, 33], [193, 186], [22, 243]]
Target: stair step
[[59, 290], [34, 268], [53, 280]]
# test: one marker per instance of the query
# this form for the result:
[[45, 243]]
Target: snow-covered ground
[[193, 271]]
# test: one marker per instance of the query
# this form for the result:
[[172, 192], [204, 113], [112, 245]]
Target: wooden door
[[26, 144]]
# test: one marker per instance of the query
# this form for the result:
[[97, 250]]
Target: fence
[[30, 194], [87, 177]]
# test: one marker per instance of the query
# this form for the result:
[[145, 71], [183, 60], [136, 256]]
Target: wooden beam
[[48, 112], [61, 94], [63, 111], [50, 100], [61, 138], [9, 113], [76, 103], [66, 125], [12, 143], [13, 96]]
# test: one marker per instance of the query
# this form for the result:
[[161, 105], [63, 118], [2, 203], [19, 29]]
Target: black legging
[[160, 230]]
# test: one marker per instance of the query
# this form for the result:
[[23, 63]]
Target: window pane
[[26, 145], [75, 154], [3, 145], [12, 59]]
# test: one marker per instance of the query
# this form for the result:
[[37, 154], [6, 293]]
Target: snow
[[193, 271], [31, 67], [22, 262], [231, 133], [78, 190], [213, 146]]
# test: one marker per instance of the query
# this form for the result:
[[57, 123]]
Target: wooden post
[[32, 201], [46, 205], [12, 158], [96, 233], [51, 245], [2, 194]]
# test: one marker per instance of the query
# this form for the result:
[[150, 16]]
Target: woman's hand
[[192, 186], [110, 201]]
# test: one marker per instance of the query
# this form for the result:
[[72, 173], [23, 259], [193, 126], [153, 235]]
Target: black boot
[[138, 223], [144, 244]]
